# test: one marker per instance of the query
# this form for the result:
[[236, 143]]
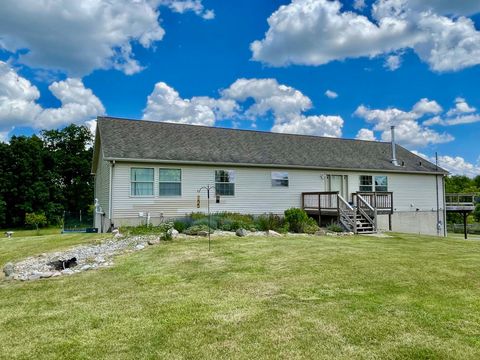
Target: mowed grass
[[404, 297]]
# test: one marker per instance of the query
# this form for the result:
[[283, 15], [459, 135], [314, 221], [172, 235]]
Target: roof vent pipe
[[394, 156]]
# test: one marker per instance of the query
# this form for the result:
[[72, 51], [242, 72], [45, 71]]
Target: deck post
[[465, 224], [319, 211], [355, 220]]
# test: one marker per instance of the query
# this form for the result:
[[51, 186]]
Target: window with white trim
[[141, 181], [225, 182], [170, 182], [279, 179], [370, 183]]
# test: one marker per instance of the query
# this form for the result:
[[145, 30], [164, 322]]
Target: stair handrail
[[361, 201], [345, 209]]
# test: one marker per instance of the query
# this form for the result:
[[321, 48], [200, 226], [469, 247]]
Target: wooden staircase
[[360, 218]]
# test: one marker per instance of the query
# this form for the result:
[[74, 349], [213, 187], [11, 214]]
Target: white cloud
[[165, 104], [286, 104], [359, 4], [78, 37], [426, 106], [321, 125], [19, 107], [315, 32], [461, 107], [366, 134], [331, 94], [393, 62], [462, 113], [454, 164], [182, 6], [408, 131]]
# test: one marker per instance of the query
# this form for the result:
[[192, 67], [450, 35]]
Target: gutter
[[277, 166], [110, 198]]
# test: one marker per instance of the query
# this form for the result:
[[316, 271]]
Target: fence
[[77, 221], [458, 228]]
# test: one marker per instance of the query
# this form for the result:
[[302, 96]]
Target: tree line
[[45, 174]]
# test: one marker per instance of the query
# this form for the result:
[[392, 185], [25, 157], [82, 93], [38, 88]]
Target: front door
[[339, 183]]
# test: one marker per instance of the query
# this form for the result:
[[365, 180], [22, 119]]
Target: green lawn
[[276, 298]]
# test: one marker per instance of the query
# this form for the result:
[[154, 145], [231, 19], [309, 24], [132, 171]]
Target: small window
[[366, 183], [225, 182], [381, 183], [141, 181], [279, 179], [170, 182]]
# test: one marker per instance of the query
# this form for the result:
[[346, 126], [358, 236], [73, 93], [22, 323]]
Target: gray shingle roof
[[148, 140]]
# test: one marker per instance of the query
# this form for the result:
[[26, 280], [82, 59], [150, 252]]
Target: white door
[[339, 183]]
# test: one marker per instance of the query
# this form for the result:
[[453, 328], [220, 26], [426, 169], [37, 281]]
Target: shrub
[[165, 230], [334, 227], [213, 222], [310, 227], [270, 221], [296, 218], [161, 230], [195, 229], [197, 216], [181, 225]]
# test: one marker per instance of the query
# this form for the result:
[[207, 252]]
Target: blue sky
[[252, 65]]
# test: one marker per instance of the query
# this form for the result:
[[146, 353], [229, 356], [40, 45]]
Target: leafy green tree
[[35, 220], [72, 154]]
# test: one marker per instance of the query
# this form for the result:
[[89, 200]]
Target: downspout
[[110, 198], [444, 207]]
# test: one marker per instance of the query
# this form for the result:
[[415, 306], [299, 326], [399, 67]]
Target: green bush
[[310, 227], [198, 216], [195, 229], [181, 225], [35, 220], [150, 229], [213, 222], [296, 219], [334, 227], [270, 221]]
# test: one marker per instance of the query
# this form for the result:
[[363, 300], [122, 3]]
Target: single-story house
[[152, 171]]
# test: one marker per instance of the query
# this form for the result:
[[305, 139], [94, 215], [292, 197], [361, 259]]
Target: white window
[[279, 179], [370, 183], [141, 181], [225, 182], [170, 182], [381, 183]]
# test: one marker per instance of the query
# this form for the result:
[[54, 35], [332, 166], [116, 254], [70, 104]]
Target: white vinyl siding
[[254, 192]]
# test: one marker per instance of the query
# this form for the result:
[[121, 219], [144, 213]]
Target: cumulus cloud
[[181, 6], [78, 37], [462, 113], [456, 165], [315, 32], [393, 62], [425, 106], [408, 130], [359, 4], [331, 94], [19, 107], [245, 99], [366, 134]]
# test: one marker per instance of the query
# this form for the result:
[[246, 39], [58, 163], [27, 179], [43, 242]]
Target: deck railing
[[382, 201], [319, 201], [460, 199]]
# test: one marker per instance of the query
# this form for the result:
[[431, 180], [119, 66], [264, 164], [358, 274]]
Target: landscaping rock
[[140, 247], [241, 232], [46, 275], [153, 241], [320, 232], [8, 269], [173, 233], [203, 233], [273, 233]]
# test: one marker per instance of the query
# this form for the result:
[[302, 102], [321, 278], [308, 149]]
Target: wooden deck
[[460, 202], [359, 216]]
